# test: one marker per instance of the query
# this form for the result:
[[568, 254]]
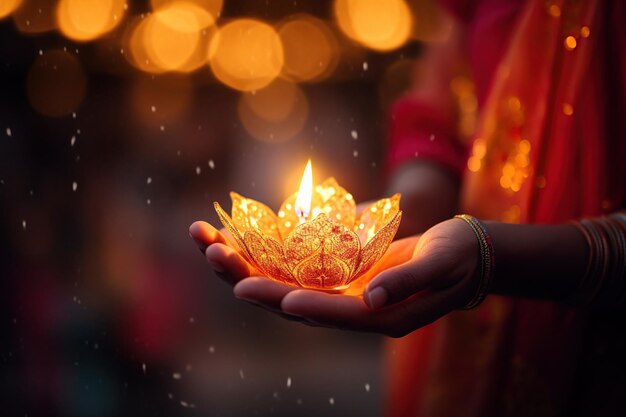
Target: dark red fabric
[[566, 106]]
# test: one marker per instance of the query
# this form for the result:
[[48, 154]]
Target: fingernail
[[376, 298], [216, 267]]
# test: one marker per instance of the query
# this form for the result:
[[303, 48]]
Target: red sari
[[550, 146]]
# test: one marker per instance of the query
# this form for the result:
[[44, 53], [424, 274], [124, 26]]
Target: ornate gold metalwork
[[327, 252]]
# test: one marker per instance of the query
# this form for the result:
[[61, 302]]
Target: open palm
[[411, 298]]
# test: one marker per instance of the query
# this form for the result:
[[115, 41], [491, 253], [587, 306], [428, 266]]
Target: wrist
[[484, 270]]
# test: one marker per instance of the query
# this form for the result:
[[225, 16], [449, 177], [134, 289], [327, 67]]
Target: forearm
[[538, 261], [429, 195]]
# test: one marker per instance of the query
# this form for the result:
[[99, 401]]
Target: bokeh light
[[173, 38], [134, 46], [35, 16], [8, 6], [85, 20], [246, 54], [376, 24], [275, 113], [310, 48], [214, 7], [56, 83]]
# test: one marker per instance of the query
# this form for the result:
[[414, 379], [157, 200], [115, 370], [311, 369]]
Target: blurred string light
[[379, 25], [173, 38], [35, 16], [246, 54], [213, 7], [85, 20], [8, 6], [310, 48], [56, 83], [276, 113]]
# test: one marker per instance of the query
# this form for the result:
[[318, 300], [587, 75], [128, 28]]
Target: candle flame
[[303, 199]]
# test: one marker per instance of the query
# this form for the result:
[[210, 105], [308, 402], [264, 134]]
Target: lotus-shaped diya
[[316, 240]]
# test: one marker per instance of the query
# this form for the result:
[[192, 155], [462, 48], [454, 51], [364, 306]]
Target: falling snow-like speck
[[331, 401], [288, 382], [41, 52], [177, 375], [149, 180], [432, 137], [186, 404], [72, 140], [74, 115], [241, 374], [211, 164], [365, 66], [211, 349], [9, 132], [354, 134], [153, 108], [162, 128], [74, 186], [198, 170], [148, 202], [23, 224], [355, 153], [367, 387], [143, 367]]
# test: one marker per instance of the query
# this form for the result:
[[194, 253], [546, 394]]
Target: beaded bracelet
[[487, 260]]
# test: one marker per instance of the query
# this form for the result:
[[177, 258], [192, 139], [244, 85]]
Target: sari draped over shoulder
[[549, 147]]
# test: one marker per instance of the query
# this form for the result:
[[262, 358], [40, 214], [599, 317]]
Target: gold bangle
[[487, 260], [604, 280]]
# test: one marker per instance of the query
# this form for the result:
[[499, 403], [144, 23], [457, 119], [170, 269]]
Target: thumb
[[402, 281]]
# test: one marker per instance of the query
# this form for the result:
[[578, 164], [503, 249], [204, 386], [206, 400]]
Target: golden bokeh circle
[[246, 54], [214, 7], [85, 20], [378, 25], [173, 38], [35, 16], [310, 48], [8, 6], [274, 114]]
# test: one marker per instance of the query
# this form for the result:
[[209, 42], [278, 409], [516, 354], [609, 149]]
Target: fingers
[[346, 312], [205, 235], [268, 294], [263, 291], [227, 263], [403, 281], [330, 310]]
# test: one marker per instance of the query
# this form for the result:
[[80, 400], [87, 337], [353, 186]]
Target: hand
[[417, 281], [230, 266], [221, 254]]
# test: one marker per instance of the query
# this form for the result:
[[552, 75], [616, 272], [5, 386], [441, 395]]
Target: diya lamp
[[317, 240]]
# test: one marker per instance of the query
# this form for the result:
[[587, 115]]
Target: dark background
[[107, 306]]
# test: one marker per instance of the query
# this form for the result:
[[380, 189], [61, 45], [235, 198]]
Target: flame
[[303, 200]]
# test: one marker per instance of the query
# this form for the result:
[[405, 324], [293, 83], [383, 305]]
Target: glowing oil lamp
[[317, 240]]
